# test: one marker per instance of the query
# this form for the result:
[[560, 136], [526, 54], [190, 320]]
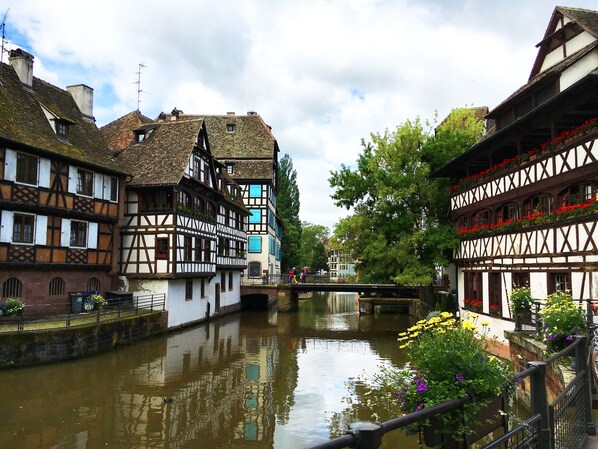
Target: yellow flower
[[485, 323], [402, 334], [446, 315], [403, 346], [415, 334]]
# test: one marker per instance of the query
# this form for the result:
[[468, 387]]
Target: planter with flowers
[[521, 306], [562, 320], [448, 360], [12, 307], [95, 301], [475, 305]]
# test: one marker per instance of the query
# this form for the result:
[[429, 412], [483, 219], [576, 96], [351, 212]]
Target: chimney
[[83, 96], [22, 62], [174, 115], [230, 113]]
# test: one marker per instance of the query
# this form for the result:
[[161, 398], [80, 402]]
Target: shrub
[[95, 301], [521, 300], [12, 307], [562, 319]]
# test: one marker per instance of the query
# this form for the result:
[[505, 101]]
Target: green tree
[[399, 229], [313, 252], [288, 211]]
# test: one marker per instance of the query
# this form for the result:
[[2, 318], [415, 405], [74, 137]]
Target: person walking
[[291, 274]]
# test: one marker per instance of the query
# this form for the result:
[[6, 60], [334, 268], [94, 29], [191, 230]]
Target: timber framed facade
[[525, 198], [184, 230], [60, 193]]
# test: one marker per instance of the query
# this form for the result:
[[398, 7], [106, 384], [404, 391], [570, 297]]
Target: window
[[255, 216], [198, 205], [198, 249], [56, 287], [62, 129], [520, 280], [26, 169], [84, 182], [255, 244], [560, 282], [473, 285], [462, 222], [255, 269], [162, 248], [155, 200], [206, 250], [539, 203], [140, 136], [12, 288], [93, 285], [183, 199], [255, 191], [230, 127], [187, 250], [495, 294], [22, 230], [230, 168], [188, 289], [507, 212], [78, 234], [481, 218], [223, 281], [230, 280], [113, 188], [203, 288]]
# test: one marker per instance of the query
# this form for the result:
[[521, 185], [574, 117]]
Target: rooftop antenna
[[138, 82], [3, 26]]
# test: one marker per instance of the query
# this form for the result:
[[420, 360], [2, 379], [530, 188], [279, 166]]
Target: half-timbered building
[[249, 151], [184, 221], [60, 191], [524, 199]]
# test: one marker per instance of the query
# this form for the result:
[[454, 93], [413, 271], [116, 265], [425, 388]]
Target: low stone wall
[[524, 348], [18, 349]]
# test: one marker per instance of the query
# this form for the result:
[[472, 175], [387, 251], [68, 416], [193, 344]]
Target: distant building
[[341, 264], [249, 151], [524, 198]]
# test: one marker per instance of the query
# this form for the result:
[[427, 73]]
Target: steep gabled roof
[[161, 159], [579, 20], [23, 122], [118, 134], [251, 139]]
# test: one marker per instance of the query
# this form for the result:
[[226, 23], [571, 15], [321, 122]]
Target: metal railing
[[29, 320], [547, 428]]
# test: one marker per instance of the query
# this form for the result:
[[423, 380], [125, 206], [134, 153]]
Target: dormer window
[[139, 136], [230, 127], [62, 129], [230, 168]]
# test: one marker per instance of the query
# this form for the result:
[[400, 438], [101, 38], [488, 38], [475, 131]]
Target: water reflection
[[255, 379]]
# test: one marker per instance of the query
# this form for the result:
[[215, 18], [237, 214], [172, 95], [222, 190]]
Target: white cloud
[[323, 74]]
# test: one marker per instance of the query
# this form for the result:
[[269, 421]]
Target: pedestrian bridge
[[285, 297]]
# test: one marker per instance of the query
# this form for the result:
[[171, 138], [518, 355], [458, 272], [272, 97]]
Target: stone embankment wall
[[18, 349]]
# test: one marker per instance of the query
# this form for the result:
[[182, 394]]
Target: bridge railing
[[278, 279], [564, 423]]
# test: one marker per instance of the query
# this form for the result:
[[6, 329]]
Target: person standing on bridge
[[304, 272], [291, 274]]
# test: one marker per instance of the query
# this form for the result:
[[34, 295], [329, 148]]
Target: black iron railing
[[570, 411], [29, 320]]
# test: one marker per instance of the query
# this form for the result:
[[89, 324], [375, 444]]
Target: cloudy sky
[[323, 73]]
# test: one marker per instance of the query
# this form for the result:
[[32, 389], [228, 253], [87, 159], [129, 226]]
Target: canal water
[[249, 380]]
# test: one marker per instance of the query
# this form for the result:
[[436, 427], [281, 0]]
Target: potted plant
[[448, 360], [562, 319], [521, 306], [12, 307], [95, 301]]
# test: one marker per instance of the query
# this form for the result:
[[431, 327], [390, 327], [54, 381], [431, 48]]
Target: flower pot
[[488, 420]]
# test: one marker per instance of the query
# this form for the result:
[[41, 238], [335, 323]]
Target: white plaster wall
[[538, 285], [485, 293], [232, 297], [578, 70], [507, 282], [181, 311], [496, 327]]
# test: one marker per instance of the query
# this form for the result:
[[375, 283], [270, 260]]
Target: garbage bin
[[76, 302]]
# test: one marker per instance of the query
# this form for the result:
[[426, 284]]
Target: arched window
[[509, 211], [462, 222], [211, 209], [539, 203], [578, 193], [199, 205], [481, 218], [93, 285], [12, 288], [183, 199], [56, 287]]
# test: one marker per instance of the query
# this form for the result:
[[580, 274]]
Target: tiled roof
[[586, 18], [251, 139], [118, 134], [161, 158], [23, 121]]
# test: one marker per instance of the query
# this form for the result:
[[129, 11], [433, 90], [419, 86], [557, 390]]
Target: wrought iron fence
[[29, 320], [549, 427]]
